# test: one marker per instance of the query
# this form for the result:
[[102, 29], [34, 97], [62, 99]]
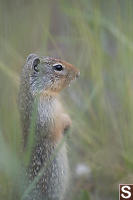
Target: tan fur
[[62, 121]]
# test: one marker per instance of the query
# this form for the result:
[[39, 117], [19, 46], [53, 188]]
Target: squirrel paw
[[66, 122]]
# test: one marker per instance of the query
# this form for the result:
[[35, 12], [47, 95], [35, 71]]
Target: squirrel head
[[48, 75]]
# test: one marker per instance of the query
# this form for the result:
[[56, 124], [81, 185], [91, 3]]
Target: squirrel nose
[[77, 75]]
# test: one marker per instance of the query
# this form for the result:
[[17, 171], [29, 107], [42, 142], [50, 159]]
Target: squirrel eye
[[35, 64], [36, 68], [58, 67]]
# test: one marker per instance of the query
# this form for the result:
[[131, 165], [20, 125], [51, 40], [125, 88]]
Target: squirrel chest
[[50, 121]]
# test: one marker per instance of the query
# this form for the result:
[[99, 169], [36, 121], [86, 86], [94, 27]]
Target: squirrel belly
[[53, 183]]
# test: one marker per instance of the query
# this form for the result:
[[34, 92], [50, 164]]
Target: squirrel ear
[[31, 56], [35, 62]]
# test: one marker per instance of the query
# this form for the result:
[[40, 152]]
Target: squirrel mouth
[[73, 80]]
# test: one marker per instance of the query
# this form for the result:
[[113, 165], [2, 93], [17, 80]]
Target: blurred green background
[[97, 37]]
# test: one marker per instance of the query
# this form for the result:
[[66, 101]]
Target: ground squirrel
[[45, 77]]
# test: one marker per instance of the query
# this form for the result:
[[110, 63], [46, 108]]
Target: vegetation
[[96, 36]]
